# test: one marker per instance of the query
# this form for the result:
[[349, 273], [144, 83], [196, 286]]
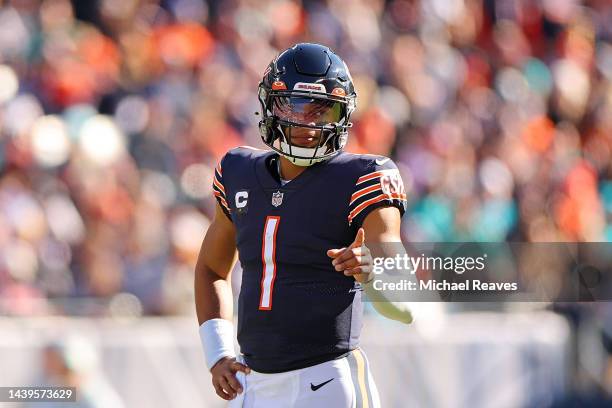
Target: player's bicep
[[383, 225], [218, 251], [381, 186]]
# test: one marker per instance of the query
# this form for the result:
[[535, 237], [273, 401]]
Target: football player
[[299, 217]]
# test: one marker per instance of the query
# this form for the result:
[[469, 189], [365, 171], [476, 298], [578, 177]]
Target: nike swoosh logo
[[316, 387], [382, 161]]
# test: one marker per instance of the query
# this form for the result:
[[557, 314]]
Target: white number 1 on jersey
[[268, 257]]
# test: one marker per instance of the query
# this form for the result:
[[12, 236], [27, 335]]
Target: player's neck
[[288, 170]]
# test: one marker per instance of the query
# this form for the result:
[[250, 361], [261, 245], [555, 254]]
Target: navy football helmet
[[307, 86]]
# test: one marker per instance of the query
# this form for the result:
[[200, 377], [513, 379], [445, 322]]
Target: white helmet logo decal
[[305, 86]]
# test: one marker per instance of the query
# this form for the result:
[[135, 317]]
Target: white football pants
[[342, 383]]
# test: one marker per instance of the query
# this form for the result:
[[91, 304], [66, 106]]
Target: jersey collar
[[268, 177]]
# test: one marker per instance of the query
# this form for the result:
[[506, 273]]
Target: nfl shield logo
[[277, 198]]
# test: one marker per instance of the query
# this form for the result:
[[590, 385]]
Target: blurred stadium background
[[113, 114]]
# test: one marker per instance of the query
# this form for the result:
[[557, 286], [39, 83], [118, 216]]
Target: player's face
[[302, 136], [306, 111]]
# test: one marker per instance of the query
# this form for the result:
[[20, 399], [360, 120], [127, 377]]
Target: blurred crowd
[[113, 114]]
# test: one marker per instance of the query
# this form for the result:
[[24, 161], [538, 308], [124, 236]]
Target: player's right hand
[[224, 377]]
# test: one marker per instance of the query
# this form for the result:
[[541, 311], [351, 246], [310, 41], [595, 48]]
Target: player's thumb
[[359, 239]]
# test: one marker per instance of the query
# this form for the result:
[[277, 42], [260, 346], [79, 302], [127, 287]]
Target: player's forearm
[[213, 295], [398, 311], [213, 289], [384, 228]]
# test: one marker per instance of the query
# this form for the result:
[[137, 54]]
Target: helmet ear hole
[[265, 132], [340, 140]]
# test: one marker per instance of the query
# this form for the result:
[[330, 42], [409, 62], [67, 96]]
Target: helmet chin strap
[[302, 156], [300, 151]]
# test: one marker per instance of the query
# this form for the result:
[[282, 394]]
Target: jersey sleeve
[[219, 190], [380, 186]]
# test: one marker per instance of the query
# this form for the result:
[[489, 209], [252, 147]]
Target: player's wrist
[[365, 278], [368, 278], [217, 337]]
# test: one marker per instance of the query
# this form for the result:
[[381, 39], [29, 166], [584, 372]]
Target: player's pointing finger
[[334, 253], [358, 242], [346, 255]]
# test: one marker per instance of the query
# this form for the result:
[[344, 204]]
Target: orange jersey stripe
[[218, 168], [374, 200], [222, 199], [219, 185], [218, 194], [363, 192], [369, 176], [224, 203]]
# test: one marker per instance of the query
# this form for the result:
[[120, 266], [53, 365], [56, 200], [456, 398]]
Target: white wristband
[[217, 337]]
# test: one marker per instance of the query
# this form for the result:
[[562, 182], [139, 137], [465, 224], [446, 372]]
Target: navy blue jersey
[[294, 308]]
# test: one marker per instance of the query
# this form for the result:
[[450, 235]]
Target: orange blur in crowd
[[501, 126]]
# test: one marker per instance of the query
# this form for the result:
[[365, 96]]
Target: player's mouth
[[305, 141]]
